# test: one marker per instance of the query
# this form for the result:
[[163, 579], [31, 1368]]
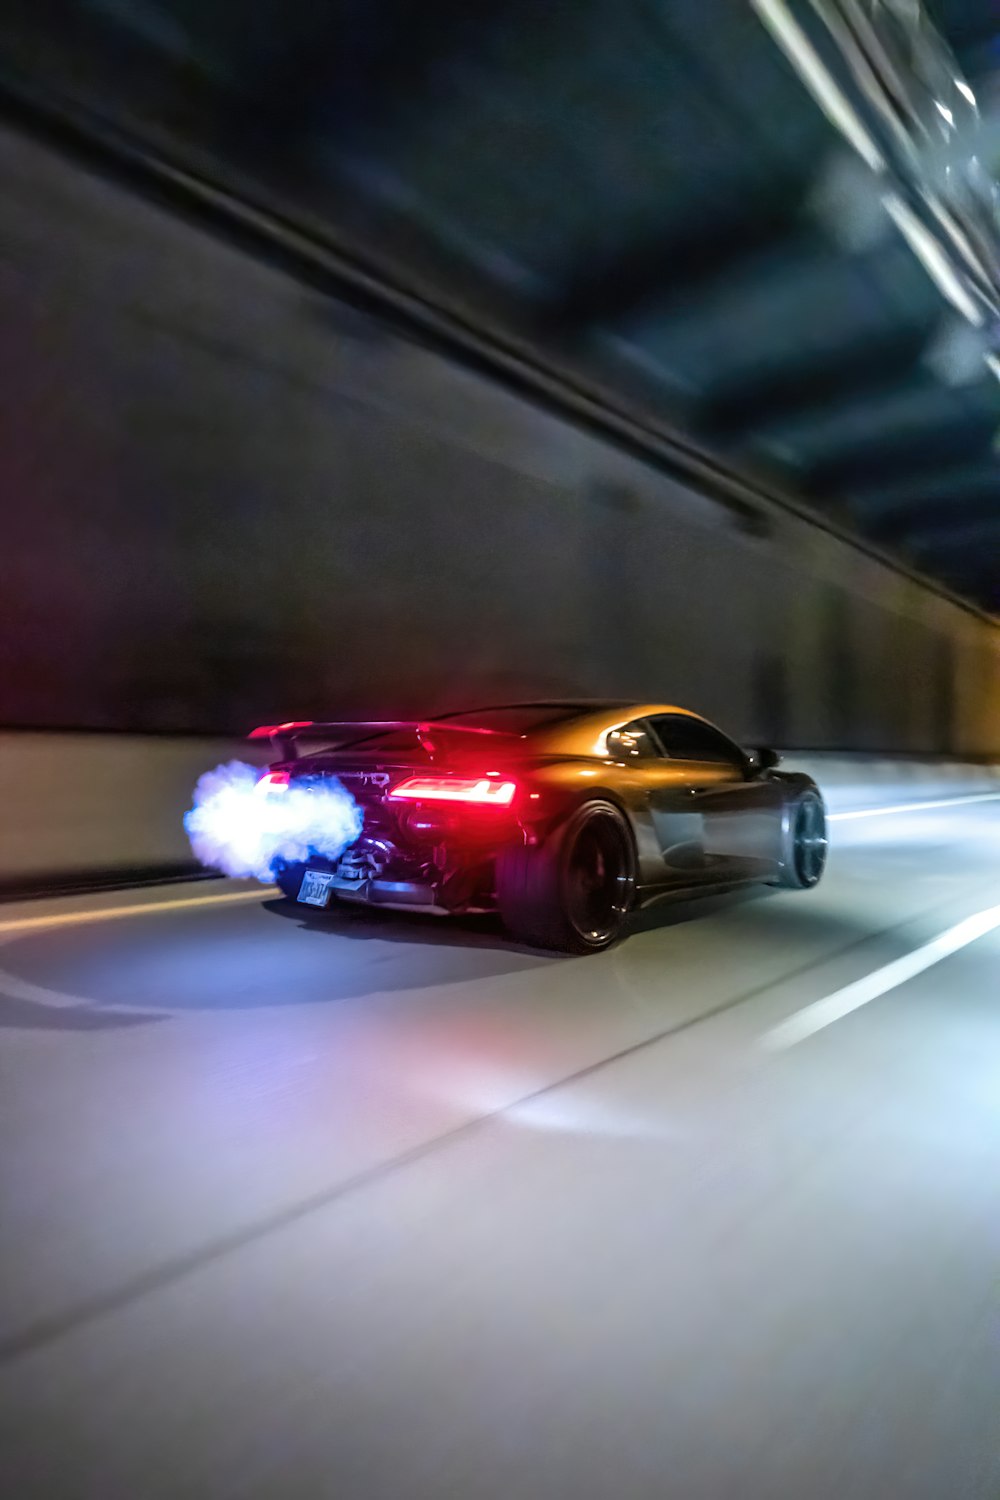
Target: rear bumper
[[447, 892], [401, 893]]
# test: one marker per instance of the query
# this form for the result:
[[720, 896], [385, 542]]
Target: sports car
[[562, 817]]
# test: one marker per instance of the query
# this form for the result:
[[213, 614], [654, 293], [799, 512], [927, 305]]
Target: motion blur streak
[[237, 828], [805, 1023], [136, 909], [908, 807]]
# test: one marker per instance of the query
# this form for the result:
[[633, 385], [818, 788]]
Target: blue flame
[[245, 829]]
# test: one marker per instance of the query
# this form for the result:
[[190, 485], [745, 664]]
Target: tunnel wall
[[85, 806], [231, 499]]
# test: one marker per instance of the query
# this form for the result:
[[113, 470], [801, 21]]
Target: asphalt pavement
[[297, 1205]]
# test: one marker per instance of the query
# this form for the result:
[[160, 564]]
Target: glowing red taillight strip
[[483, 792]]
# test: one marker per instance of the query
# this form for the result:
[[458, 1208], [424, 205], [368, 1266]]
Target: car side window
[[633, 742], [685, 738]]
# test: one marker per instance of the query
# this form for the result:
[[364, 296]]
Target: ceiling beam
[[344, 69], [953, 479], [960, 538], [966, 558], [669, 271], [860, 372], [933, 518], [897, 457], [973, 33]]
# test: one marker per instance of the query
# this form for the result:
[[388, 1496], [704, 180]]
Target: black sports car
[[560, 816]]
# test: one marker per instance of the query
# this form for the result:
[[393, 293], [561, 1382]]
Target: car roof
[[581, 730], [584, 733], [585, 706]]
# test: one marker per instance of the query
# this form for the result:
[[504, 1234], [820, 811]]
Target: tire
[[572, 893], [804, 843]]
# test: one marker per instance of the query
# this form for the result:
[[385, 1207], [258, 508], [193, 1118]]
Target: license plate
[[315, 887]]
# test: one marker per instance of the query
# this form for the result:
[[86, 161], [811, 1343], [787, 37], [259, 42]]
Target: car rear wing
[[286, 738]]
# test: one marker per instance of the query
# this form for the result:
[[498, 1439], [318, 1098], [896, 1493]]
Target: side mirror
[[762, 759]]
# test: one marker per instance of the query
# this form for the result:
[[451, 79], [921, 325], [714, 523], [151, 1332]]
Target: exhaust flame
[[245, 830]]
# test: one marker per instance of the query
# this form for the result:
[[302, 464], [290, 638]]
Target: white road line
[[140, 909], [905, 807], [812, 1018]]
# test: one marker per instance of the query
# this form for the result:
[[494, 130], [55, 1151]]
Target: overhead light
[[797, 47], [932, 258]]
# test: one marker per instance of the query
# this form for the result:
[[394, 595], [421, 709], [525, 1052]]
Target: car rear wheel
[[574, 891], [806, 843]]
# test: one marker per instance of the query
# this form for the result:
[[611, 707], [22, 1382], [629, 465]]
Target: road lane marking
[[905, 807], [812, 1018], [139, 909]]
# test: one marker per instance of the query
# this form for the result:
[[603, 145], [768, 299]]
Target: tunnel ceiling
[[642, 188]]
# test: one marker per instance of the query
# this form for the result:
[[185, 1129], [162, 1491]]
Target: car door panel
[[740, 820], [738, 812], [678, 790], [668, 826]]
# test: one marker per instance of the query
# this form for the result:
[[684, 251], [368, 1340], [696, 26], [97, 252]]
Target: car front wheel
[[805, 843]]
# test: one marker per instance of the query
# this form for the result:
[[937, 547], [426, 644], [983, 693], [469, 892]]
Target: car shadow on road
[[676, 911], [26, 1015], [417, 929], [485, 932], [146, 977]]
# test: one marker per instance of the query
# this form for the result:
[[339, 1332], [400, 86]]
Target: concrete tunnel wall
[[229, 499]]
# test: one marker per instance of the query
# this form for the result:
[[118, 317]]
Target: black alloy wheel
[[573, 892], [810, 842], [598, 882]]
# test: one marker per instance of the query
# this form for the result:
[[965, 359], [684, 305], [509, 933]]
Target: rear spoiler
[[285, 737]]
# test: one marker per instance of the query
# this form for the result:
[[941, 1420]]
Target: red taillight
[[483, 791], [273, 781], [266, 731]]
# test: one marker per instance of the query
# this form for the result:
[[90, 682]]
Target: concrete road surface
[[364, 1206]]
